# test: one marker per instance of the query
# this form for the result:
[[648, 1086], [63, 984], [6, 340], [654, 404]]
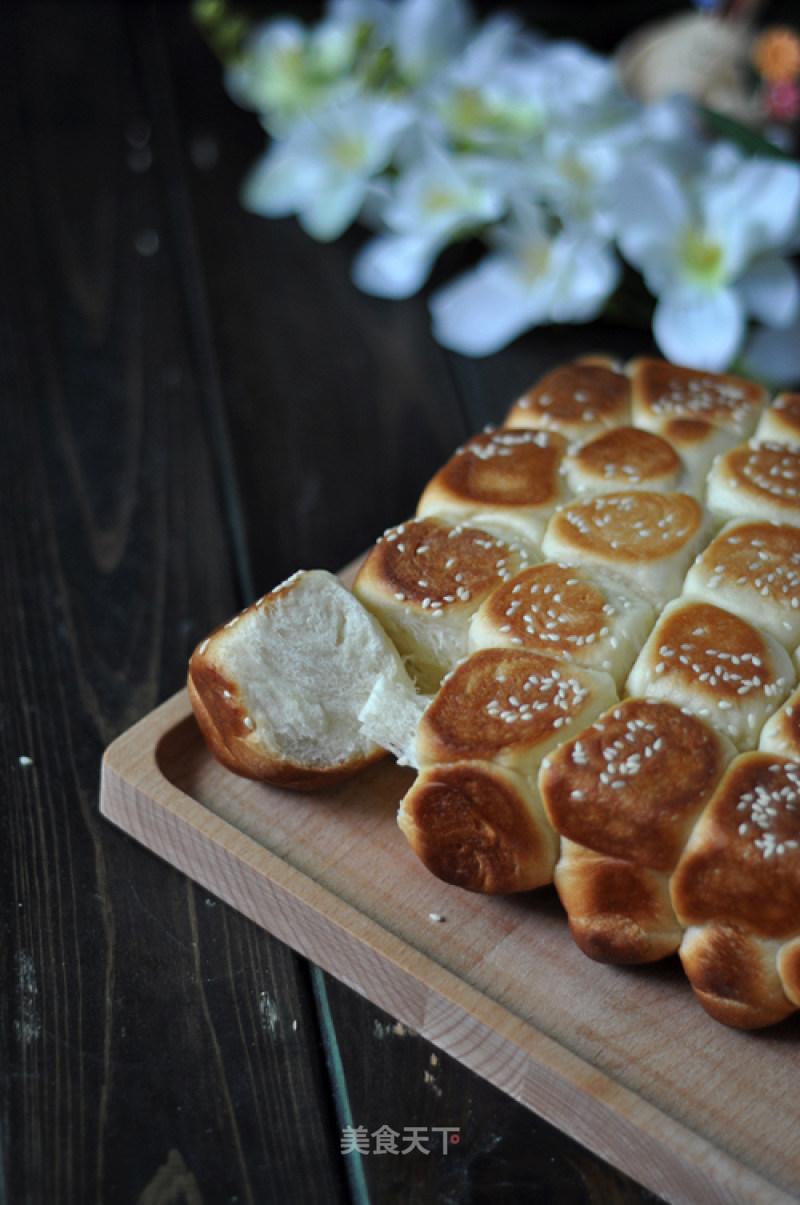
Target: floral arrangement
[[431, 128]]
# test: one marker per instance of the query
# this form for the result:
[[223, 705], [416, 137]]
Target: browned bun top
[[629, 526], [574, 396], [500, 699], [627, 456], [514, 468], [428, 563], [742, 864], [662, 391], [550, 607], [787, 407], [714, 652], [768, 471], [473, 825], [757, 555], [631, 785]]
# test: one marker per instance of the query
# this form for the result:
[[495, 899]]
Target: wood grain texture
[[498, 984], [148, 1041]]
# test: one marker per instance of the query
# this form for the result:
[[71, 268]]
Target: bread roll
[[277, 690], [662, 392], [510, 707], [698, 444], [474, 815], [625, 458], [504, 481], [781, 732], [736, 889], [562, 611], [480, 827], [579, 400], [644, 539], [752, 567], [624, 795], [756, 481], [424, 580], [780, 421], [718, 666]]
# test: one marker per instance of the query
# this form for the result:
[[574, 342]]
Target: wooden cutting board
[[622, 1059]]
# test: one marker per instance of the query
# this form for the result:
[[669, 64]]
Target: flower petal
[[394, 265], [773, 356], [770, 290], [698, 328], [332, 208], [483, 310]]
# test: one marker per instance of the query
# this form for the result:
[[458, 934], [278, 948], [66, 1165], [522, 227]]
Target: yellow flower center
[[701, 256]]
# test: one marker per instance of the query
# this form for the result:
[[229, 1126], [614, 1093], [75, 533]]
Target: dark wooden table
[[195, 403]]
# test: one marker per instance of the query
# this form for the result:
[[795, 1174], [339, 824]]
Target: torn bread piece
[[424, 580], [624, 795], [278, 689]]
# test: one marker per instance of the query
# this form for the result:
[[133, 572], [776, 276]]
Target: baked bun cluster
[[586, 642]]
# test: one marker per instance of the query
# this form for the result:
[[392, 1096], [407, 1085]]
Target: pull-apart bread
[[504, 481], [735, 891], [473, 815], [277, 690], [424, 580], [586, 643], [624, 796], [641, 538], [579, 400]]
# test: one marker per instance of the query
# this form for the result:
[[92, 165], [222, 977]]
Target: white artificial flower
[[426, 34], [438, 198], [773, 356], [710, 249], [533, 277], [323, 168]]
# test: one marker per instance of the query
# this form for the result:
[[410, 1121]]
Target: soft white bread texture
[[579, 400], [780, 421], [564, 612], [756, 481], [752, 568], [505, 481], [277, 690], [624, 796], [424, 580], [641, 538], [735, 890], [717, 665], [781, 733]]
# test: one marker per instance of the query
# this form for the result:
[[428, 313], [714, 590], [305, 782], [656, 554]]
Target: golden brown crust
[[427, 564], [734, 976], [705, 653], [618, 912], [661, 392], [628, 527], [765, 478], [625, 458], [551, 608], [576, 399], [742, 864], [500, 468], [631, 785], [506, 705], [478, 827], [781, 420], [221, 718]]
